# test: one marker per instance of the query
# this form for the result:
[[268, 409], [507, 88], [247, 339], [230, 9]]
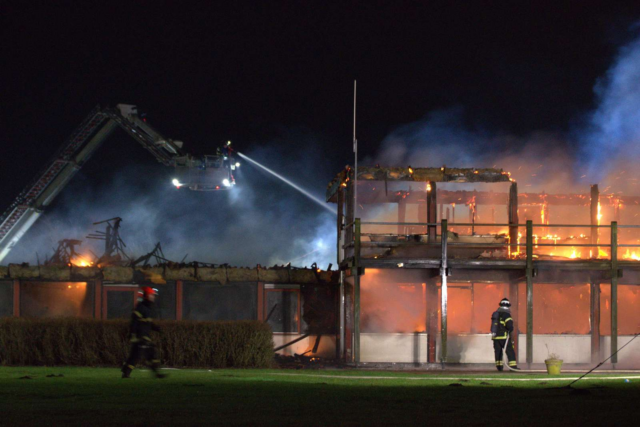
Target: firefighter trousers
[[498, 347], [144, 350]]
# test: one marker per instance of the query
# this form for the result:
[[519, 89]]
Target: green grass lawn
[[98, 396]]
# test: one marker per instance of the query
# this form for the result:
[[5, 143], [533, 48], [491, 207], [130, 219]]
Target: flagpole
[[355, 150]]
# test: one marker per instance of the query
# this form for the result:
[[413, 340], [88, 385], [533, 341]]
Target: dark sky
[[206, 72]]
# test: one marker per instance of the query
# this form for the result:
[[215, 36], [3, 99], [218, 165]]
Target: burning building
[[299, 304], [423, 267]]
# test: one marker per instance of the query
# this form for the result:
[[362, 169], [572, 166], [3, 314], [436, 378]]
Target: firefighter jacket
[[142, 321], [501, 323]]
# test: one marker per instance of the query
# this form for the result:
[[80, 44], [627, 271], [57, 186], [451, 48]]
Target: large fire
[[394, 301], [80, 261]]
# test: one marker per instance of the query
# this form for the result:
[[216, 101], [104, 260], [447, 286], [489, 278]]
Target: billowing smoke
[[261, 221], [612, 140], [602, 149]]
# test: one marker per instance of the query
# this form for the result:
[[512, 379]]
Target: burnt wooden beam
[[442, 174], [432, 212], [513, 218], [595, 199], [594, 320], [513, 297]]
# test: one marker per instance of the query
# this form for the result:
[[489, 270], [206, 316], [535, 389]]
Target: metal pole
[[342, 311], [443, 294], [614, 291], [340, 225], [529, 274]]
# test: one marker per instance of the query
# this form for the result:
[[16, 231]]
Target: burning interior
[[428, 253]]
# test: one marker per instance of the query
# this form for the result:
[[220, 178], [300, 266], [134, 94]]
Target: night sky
[[276, 78]]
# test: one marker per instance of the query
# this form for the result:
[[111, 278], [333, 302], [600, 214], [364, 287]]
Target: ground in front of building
[[98, 396]]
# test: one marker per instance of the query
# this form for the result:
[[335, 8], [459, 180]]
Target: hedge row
[[91, 342]]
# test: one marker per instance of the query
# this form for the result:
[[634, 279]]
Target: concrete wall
[[478, 348]]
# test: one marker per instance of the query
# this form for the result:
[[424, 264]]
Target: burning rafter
[[442, 174], [369, 193]]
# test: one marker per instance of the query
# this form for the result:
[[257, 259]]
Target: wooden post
[[16, 298], [432, 212], [594, 317], [432, 317], [443, 294], [402, 215], [529, 274], [97, 299], [349, 218], [356, 299], [422, 215], [513, 297], [614, 290], [513, 218], [179, 295], [595, 199], [340, 223], [473, 328]]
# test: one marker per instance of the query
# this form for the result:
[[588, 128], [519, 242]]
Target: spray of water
[[291, 184]]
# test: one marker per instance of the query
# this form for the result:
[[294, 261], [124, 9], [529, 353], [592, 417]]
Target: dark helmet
[[505, 303], [145, 291]]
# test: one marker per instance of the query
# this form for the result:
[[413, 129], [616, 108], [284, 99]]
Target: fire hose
[[604, 361], [504, 350], [504, 353]]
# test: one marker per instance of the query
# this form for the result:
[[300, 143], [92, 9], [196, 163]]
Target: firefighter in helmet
[[142, 347], [501, 331]]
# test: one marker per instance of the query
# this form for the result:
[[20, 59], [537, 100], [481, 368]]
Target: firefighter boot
[[155, 367], [126, 371]]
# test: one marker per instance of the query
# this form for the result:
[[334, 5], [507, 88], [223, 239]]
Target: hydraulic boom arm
[[83, 142]]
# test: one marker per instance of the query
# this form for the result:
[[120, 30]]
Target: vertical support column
[[402, 215], [432, 212], [513, 297], [512, 212], [473, 309], [179, 294], [432, 315], [97, 299], [340, 339], [593, 211], [614, 290], [16, 298], [422, 215], [260, 289], [443, 294], [594, 317], [340, 225], [348, 233], [356, 294], [529, 274]]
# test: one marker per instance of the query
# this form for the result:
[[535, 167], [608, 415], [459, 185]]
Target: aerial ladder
[[205, 173]]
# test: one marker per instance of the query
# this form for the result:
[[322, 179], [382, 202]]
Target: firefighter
[[142, 347], [501, 326]]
